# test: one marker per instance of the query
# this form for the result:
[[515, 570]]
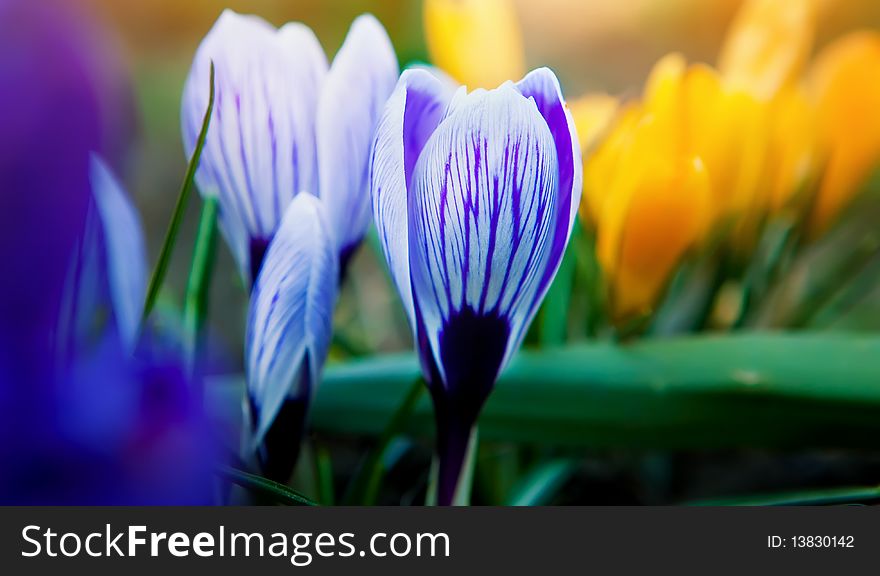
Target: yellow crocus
[[764, 55], [845, 82], [723, 126], [768, 45], [477, 42], [656, 208], [592, 115], [794, 153], [602, 162]]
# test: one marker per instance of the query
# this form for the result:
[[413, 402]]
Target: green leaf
[[540, 485], [734, 390], [554, 311], [364, 487], [822, 292], [826, 497], [263, 486], [161, 268], [199, 283], [324, 472]]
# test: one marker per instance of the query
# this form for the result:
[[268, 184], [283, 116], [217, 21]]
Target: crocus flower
[[474, 197], [685, 158], [288, 332], [768, 45], [478, 42], [593, 114], [846, 88], [283, 124], [655, 207]]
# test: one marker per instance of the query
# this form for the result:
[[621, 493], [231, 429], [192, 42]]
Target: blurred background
[[593, 45]]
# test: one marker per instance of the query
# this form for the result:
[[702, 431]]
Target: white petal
[[360, 80], [410, 117], [482, 215], [126, 255], [542, 86], [260, 150], [291, 311]]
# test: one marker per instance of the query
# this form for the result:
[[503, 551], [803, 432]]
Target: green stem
[[466, 480], [464, 486], [199, 283], [161, 269], [364, 487], [776, 245]]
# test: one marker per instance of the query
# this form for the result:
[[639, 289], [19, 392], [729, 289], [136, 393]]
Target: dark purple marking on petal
[[248, 182], [279, 451], [273, 138], [258, 247], [422, 114], [231, 183], [552, 108], [345, 256], [472, 347]]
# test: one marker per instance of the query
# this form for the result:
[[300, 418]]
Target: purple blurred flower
[[474, 197], [285, 124], [90, 423]]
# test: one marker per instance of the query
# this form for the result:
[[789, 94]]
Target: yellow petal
[[664, 90], [603, 165], [727, 129], [656, 211], [794, 155], [768, 45], [846, 84], [592, 115], [477, 42]]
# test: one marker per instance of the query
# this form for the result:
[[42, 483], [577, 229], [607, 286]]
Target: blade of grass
[[198, 285], [364, 487], [186, 187], [776, 244], [823, 292], [542, 483], [263, 486], [826, 497]]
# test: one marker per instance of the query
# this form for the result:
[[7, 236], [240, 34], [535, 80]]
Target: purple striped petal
[[125, 246], [543, 87], [410, 117], [360, 80], [482, 215], [291, 311], [260, 150]]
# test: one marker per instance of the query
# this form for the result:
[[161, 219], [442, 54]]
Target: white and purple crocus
[[474, 196], [284, 124], [287, 156]]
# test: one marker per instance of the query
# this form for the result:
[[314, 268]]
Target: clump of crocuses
[[287, 156]]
